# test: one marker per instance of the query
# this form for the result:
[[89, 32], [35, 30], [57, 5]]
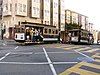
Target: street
[[49, 59]]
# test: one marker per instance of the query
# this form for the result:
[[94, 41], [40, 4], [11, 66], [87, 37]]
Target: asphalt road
[[49, 59]]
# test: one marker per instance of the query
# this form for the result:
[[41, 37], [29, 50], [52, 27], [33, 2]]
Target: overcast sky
[[90, 8]]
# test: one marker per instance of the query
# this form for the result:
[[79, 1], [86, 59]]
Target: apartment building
[[74, 17], [33, 11], [71, 17]]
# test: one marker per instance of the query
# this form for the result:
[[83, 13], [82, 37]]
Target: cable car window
[[53, 31], [17, 30], [50, 31], [84, 34], [22, 29], [45, 31], [56, 31], [75, 33]]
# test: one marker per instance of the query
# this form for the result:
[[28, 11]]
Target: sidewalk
[[6, 42], [1, 42]]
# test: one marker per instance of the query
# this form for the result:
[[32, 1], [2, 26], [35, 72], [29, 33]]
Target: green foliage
[[71, 26]]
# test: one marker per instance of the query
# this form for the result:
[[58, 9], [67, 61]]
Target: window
[[55, 5], [6, 6], [17, 30], [45, 22], [38, 1], [48, 22], [34, 0], [63, 16], [36, 10], [56, 31], [53, 31], [24, 8], [15, 6], [84, 34], [10, 7], [23, 30], [0, 8], [50, 31], [47, 0], [76, 34], [45, 12], [45, 31], [20, 7]]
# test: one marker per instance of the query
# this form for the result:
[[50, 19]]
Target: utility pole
[[59, 19]]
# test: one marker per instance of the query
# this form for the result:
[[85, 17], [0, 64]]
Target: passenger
[[34, 39], [32, 32], [27, 34], [40, 37], [28, 37], [36, 35]]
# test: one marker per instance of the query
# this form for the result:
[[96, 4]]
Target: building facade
[[67, 16], [55, 13], [46, 12], [83, 21], [77, 18], [71, 17], [33, 11], [62, 15]]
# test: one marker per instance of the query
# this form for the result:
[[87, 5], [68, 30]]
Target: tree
[[71, 26]]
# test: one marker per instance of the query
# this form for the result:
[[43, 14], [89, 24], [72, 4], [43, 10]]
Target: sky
[[90, 8]]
